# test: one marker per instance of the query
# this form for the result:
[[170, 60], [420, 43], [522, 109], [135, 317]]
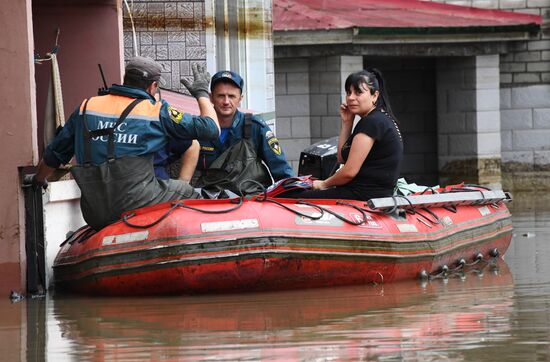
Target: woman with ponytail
[[371, 153]]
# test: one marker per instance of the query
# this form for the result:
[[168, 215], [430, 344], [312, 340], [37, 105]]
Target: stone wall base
[[526, 181], [524, 176], [483, 171], [528, 201]]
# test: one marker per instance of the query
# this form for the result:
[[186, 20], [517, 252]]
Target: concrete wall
[[527, 63], [468, 112], [525, 114], [525, 99], [411, 84], [18, 130], [293, 106], [327, 79]]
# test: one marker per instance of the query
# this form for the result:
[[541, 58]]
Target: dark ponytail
[[383, 101]]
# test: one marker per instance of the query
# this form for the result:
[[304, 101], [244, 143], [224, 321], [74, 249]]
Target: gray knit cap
[[144, 68]]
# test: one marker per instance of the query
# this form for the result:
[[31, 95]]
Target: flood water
[[496, 313]]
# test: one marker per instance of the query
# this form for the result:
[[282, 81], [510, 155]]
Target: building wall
[[411, 84], [30, 29], [525, 99], [525, 115], [527, 63], [468, 112], [18, 129], [222, 34], [89, 35], [259, 92], [292, 91], [327, 93], [172, 32]]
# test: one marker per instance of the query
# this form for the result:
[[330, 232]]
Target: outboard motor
[[319, 159]]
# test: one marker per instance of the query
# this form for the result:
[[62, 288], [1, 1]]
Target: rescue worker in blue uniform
[[223, 162], [226, 94], [115, 136]]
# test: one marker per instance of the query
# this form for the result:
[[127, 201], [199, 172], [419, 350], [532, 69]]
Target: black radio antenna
[[104, 90]]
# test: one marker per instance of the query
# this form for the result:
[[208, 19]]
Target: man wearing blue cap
[[245, 147], [246, 143]]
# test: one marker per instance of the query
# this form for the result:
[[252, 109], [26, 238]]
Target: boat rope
[[262, 188], [238, 202], [460, 265], [433, 190], [396, 202], [477, 186], [436, 220], [80, 235], [322, 210], [335, 214], [315, 216], [262, 197], [395, 206], [468, 188], [128, 216], [352, 222], [413, 210], [451, 208]]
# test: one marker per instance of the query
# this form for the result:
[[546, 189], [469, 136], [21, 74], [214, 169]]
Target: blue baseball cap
[[228, 76]]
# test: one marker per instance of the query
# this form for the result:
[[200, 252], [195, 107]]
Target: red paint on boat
[[261, 245]]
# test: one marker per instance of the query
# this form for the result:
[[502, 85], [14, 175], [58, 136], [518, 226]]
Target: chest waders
[[238, 163], [119, 184]]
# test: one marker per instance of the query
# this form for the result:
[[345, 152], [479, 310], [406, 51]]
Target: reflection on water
[[501, 313], [396, 320]]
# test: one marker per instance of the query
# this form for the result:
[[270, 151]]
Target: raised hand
[[201, 79]]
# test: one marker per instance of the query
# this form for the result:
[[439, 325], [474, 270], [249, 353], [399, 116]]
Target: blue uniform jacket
[[267, 147], [146, 130]]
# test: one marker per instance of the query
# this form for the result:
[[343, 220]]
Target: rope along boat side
[[264, 243]]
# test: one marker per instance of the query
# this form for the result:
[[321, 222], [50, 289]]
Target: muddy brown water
[[499, 312]]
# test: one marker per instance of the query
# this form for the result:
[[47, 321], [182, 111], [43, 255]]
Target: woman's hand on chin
[[346, 115]]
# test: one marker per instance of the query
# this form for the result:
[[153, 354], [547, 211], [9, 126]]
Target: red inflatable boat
[[264, 243]]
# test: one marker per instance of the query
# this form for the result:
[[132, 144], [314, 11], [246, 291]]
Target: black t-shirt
[[380, 170]]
